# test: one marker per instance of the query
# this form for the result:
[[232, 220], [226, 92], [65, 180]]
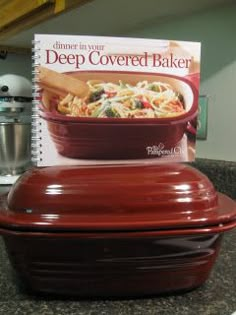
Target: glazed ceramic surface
[[114, 230], [119, 197], [112, 264]]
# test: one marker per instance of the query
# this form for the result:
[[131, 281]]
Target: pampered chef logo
[[159, 150]]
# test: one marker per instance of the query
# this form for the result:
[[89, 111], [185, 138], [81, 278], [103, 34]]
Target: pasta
[[123, 100]]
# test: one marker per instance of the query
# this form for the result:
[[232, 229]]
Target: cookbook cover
[[114, 100]]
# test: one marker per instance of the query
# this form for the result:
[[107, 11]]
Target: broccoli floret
[[155, 88], [111, 113], [95, 96], [138, 104]]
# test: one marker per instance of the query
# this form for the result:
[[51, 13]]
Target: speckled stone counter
[[216, 297], [221, 173]]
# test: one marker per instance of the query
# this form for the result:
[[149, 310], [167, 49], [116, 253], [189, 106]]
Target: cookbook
[[114, 100]]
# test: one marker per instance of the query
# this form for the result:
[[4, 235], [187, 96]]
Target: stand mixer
[[15, 126]]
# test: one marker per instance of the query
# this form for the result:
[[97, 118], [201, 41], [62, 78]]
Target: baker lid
[[114, 197]]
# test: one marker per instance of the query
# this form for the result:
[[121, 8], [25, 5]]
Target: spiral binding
[[36, 125]]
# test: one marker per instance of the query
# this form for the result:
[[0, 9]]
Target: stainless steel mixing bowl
[[14, 147]]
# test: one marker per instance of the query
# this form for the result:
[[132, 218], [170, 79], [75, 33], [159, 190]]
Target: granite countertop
[[221, 173], [216, 297]]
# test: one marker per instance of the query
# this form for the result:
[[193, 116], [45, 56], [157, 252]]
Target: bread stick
[[61, 84]]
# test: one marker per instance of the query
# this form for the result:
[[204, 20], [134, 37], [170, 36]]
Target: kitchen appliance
[[119, 138], [114, 230], [15, 126]]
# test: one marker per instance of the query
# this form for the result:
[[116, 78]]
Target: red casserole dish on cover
[[114, 230], [119, 138]]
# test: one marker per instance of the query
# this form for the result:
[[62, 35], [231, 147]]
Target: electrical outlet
[[202, 117]]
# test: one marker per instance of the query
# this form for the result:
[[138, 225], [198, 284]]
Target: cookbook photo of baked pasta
[[114, 100]]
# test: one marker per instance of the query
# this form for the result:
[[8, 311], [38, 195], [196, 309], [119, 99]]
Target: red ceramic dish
[[114, 230], [119, 138]]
